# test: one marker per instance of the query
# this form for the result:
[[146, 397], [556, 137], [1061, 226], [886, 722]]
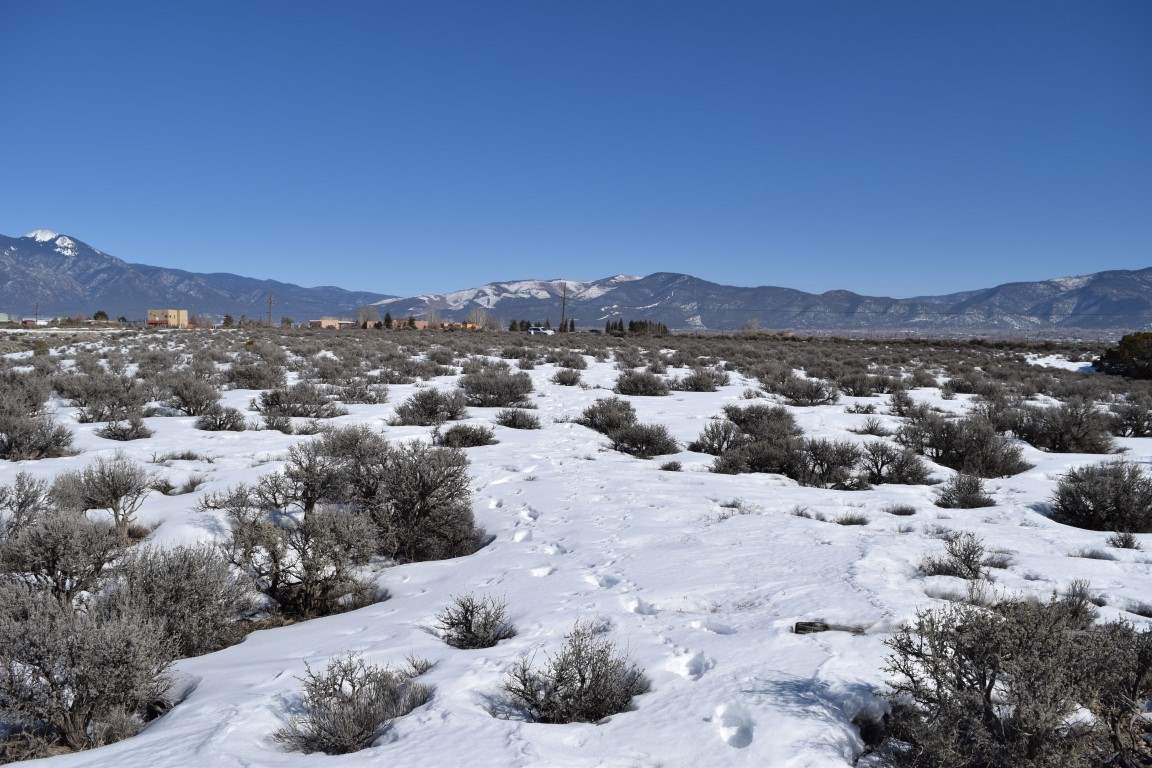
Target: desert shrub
[[640, 383], [874, 427], [191, 395], [426, 407], [426, 509], [105, 397], [763, 422], [1072, 427], [851, 518], [307, 563], [348, 706], [963, 557], [1000, 687], [75, 679], [566, 377], [826, 463], [220, 418], [884, 463], [474, 622], [568, 359], [22, 394], [24, 438], [303, 399], [702, 380], [900, 403], [807, 392], [192, 591], [132, 428], [586, 681], [515, 418], [778, 457], [1131, 357], [1112, 496], [628, 357], [494, 388], [963, 492], [671, 466], [858, 384], [62, 553], [901, 510], [165, 486], [643, 440], [22, 502], [969, 445], [1132, 418], [277, 423], [608, 414], [251, 374], [1123, 540], [440, 356], [464, 436], [116, 484], [364, 392], [717, 437]]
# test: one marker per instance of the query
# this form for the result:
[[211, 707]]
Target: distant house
[[331, 323], [33, 322], [167, 318]]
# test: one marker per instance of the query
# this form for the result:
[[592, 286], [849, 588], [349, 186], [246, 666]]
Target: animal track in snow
[[638, 605], [602, 580], [689, 664], [734, 724], [713, 626]]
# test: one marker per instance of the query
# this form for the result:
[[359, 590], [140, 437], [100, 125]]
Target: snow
[[700, 593], [42, 235], [1057, 361]]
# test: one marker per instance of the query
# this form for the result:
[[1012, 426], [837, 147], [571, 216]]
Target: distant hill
[[63, 275], [1118, 299]]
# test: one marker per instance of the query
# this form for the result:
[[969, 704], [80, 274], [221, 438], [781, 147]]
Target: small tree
[[1131, 357], [116, 484]]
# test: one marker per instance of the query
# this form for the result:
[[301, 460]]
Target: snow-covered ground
[[699, 576]]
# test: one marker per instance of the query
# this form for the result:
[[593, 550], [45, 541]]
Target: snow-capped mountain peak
[[42, 235]]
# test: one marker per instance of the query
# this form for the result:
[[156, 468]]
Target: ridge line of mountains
[[60, 275]]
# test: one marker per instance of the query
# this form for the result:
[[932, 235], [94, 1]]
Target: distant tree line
[[635, 328]]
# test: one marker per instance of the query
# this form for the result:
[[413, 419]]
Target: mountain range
[[57, 274]]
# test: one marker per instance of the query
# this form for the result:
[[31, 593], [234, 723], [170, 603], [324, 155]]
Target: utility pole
[[564, 306], [269, 310]]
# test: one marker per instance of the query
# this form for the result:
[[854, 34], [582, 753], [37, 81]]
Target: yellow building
[[167, 318]]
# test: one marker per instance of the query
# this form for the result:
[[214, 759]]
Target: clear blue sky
[[888, 147]]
